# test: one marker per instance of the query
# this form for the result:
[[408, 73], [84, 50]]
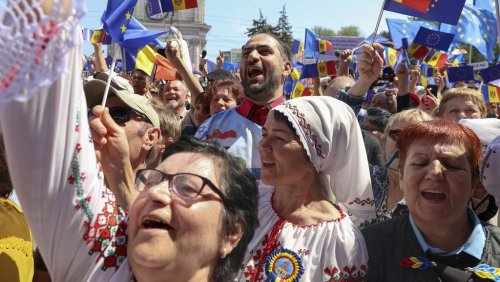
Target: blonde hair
[[170, 128], [410, 116], [462, 92]]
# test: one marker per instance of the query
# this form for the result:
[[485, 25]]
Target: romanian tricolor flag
[[491, 93], [300, 90], [418, 51], [420, 5], [436, 59], [319, 69], [390, 56], [325, 46]]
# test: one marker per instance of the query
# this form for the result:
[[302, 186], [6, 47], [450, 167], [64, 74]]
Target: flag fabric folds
[[390, 56], [137, 36], [295, 74], [491, 93], [158, 7], [143, 60], [462, 73], [422, 6], [116, 17], [325, 46], [400, 29], [436, 59], [297, 47], [311, 48], [300, 90], [125, 29], [477, 27], [100, 36], [433, 39], [319, 69], [418, 51], [444, 11], [485, 4], [164, 69], [490, 74]]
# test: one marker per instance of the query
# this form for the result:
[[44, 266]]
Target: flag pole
[[470, 54], [111, 71], [378, 22]]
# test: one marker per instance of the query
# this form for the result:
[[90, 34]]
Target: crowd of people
[[219, 177]]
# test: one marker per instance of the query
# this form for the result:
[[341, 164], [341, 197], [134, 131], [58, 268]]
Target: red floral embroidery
[[349, 274], [108, 233]]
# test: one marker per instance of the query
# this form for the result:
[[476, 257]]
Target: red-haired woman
[[439, 166]]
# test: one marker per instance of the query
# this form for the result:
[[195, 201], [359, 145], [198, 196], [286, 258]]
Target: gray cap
[[121, 88]]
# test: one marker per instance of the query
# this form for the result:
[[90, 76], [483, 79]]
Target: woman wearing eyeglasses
[[192, 219], [315, 171], [385, 180]]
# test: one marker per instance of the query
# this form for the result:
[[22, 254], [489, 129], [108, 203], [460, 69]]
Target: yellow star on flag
[[123, 28], [128, 16]]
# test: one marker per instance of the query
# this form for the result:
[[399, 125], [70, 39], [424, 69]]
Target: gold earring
[[224, 253]]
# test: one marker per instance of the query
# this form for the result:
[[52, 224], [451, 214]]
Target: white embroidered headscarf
[[331, 136]]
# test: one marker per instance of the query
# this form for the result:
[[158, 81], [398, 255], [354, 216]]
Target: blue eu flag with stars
[[434, 39], [444, 11], [477, 27], [117, 16]]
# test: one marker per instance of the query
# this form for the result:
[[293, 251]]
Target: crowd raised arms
[[218, 176]]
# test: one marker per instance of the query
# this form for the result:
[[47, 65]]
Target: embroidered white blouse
[[328, 251]]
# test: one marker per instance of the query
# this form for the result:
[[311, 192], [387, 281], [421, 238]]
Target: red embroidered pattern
[[313, 138], [264, 248], [365, 202], [348, 274], [106, 231]]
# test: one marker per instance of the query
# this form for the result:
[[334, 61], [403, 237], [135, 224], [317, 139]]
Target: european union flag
[[485, 4], [490, 74], [434, 39], [311, 47], [477, 27], [211, 66], [400, 29], [116, 17], [137, 36], [462, 73], [444, 11]]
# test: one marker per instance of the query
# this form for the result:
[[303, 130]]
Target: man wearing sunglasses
[[132, 113]]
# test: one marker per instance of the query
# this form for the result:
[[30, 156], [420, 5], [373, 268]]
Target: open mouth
[[433, 195], [149, 223], [266, 164], [254, 72]]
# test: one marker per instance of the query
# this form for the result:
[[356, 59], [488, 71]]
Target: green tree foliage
[[350, 30], [385, 34], [323, 31], [284, 29], [261, 26]]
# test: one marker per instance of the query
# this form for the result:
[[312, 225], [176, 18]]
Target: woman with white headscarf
[[314, 161]]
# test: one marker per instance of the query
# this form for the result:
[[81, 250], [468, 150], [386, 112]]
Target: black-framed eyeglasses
[[394, 134], [122, 114], [187, 186]]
